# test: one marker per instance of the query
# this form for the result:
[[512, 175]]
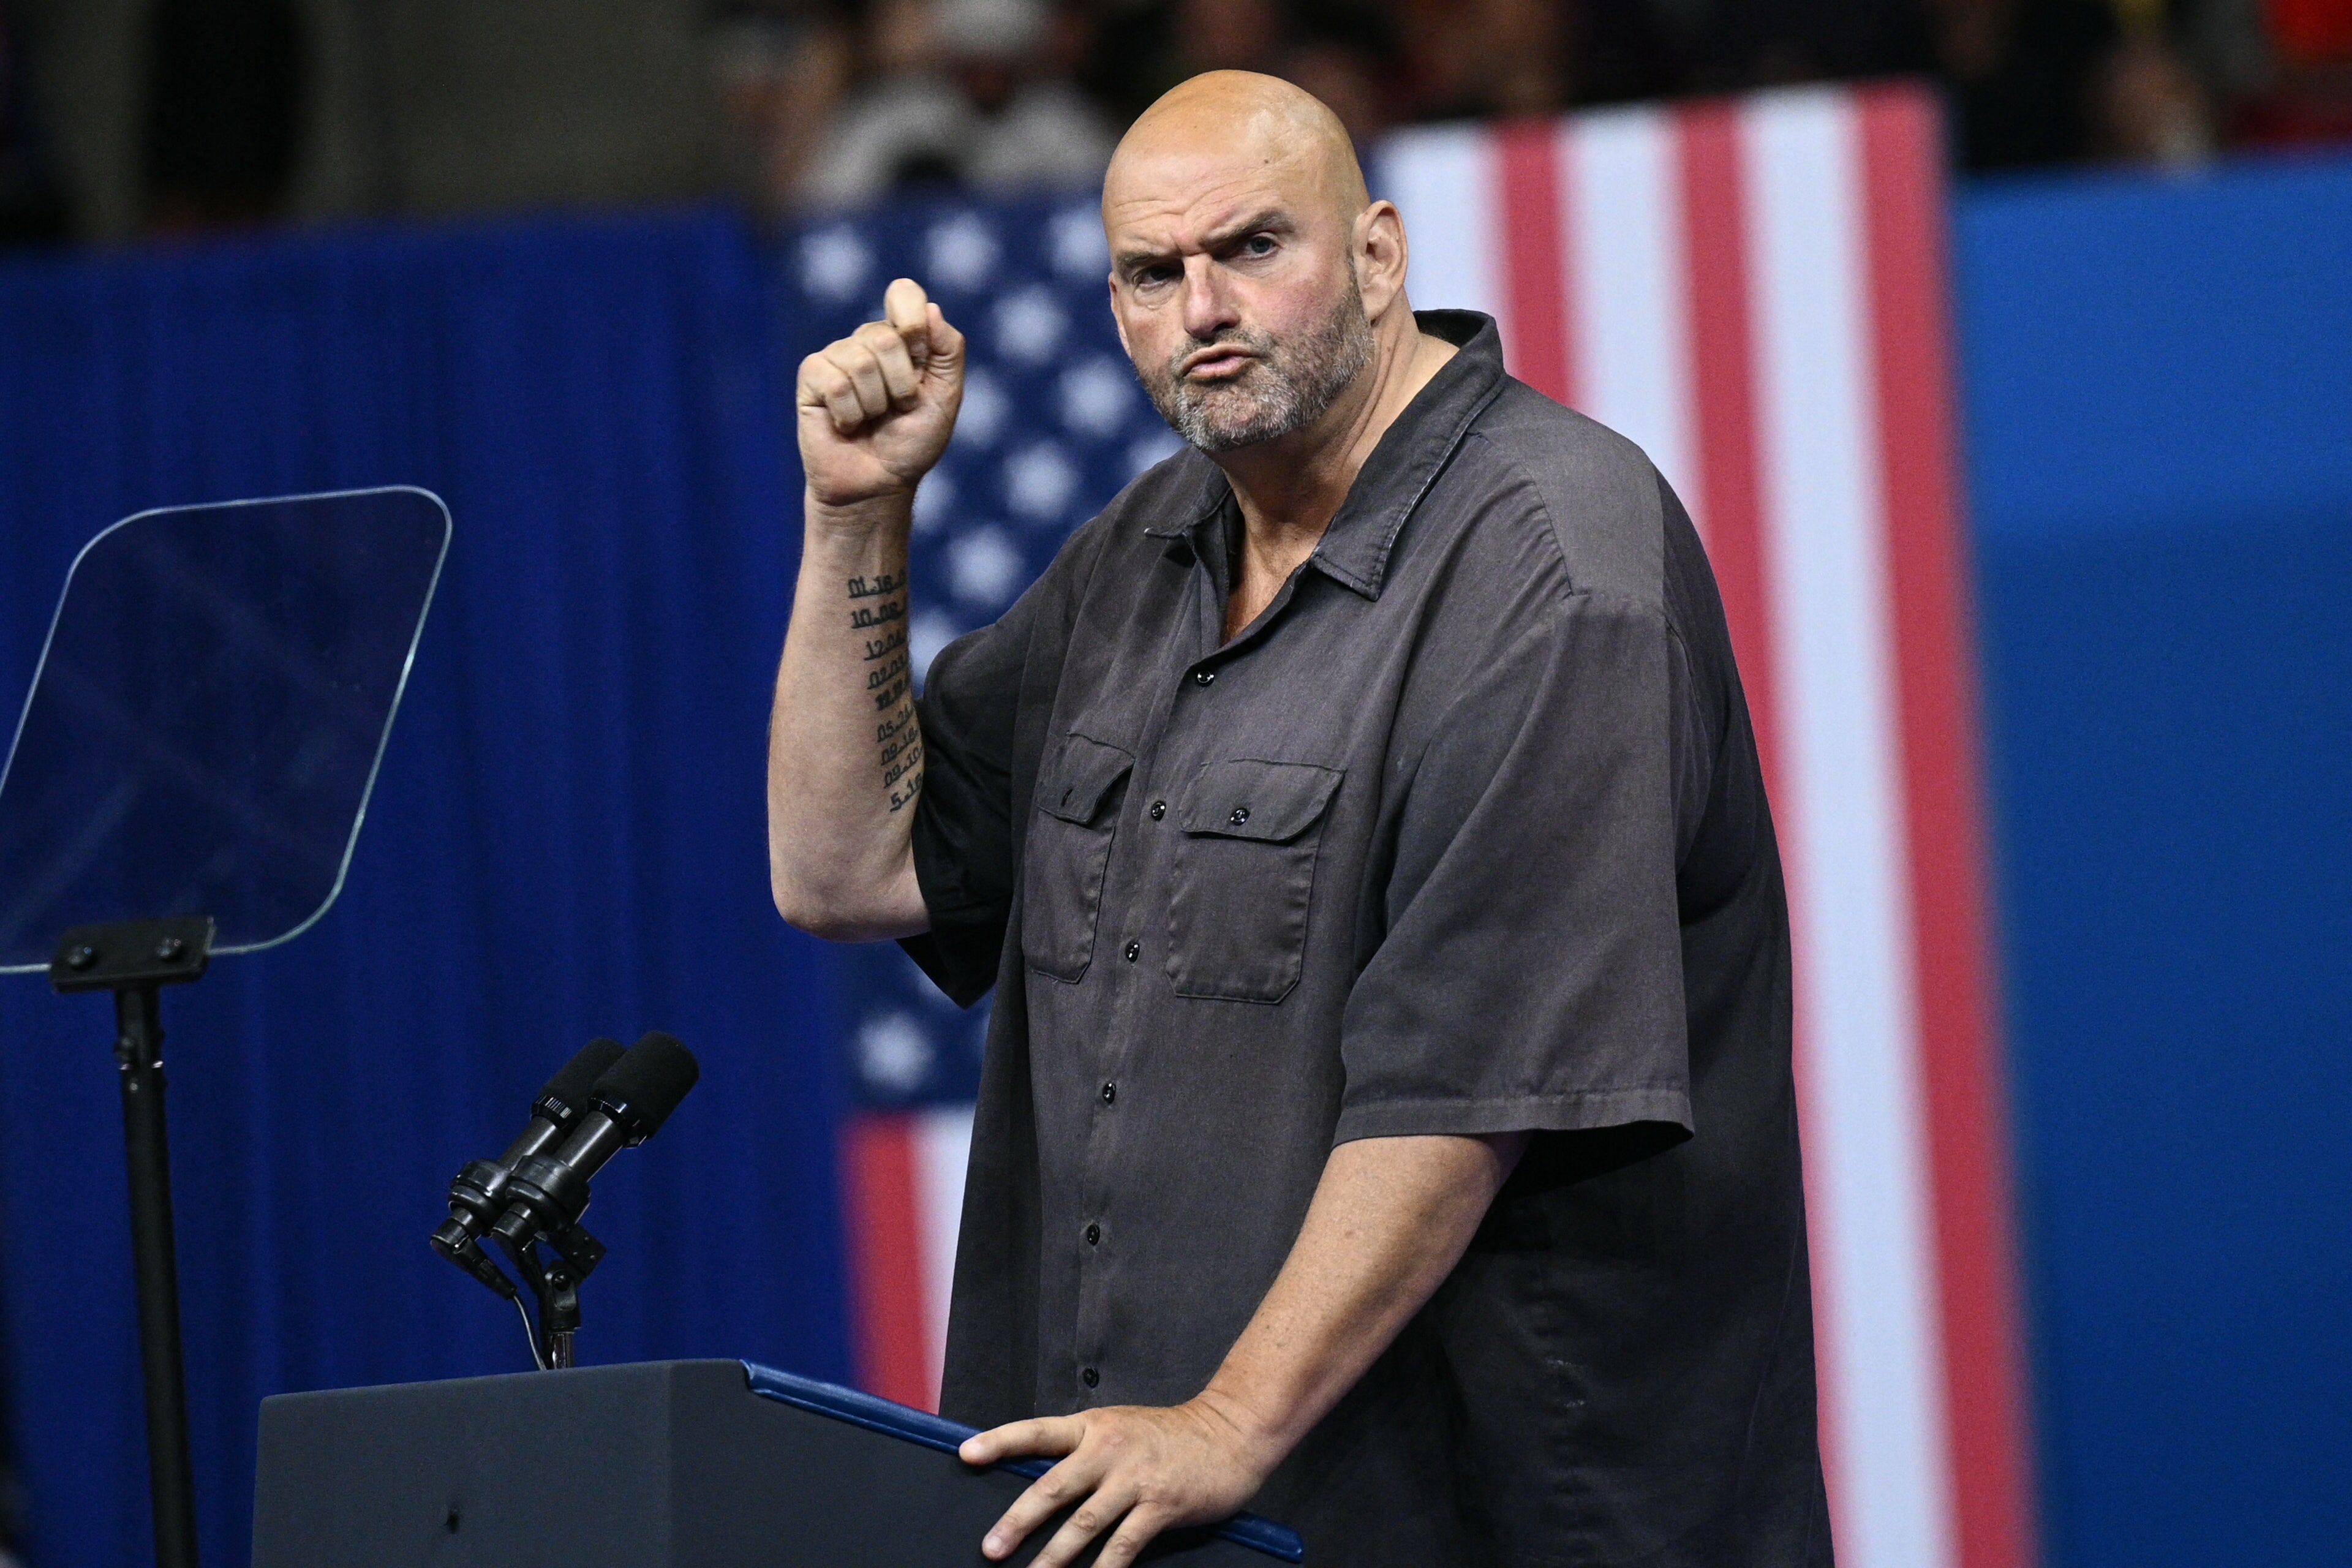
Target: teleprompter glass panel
[[208, 714]]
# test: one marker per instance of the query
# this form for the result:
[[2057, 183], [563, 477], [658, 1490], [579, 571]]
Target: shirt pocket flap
[[1074, 788], [1265, 800]]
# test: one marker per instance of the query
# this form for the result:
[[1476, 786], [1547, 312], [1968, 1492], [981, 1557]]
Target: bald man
[[1387, 1119]]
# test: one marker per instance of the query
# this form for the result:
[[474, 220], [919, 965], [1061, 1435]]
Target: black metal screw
[[81, 957], [169, 950]]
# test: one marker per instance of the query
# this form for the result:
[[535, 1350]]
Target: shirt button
[[1240, 816], [1109, 1092], [1158, 809], [1089, 1377], [1202, 676], [1134, 951], [1094, 1235]]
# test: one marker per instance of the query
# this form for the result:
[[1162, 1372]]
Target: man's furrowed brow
[[1271, 218], [1128, 260]]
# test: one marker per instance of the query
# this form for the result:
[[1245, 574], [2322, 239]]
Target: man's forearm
[[845, 749], [1389, 1219]]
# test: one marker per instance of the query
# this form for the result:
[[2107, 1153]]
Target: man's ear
[[1378, 255]]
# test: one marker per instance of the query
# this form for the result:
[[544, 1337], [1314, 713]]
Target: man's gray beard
[[1283, 390]]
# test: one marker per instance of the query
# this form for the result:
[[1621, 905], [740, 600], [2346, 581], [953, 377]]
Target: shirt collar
[[1355, 546]]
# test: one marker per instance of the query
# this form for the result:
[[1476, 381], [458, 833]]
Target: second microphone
[[547, 1193]]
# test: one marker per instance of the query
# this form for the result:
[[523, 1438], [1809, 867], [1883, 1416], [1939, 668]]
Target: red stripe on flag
[[1528, 235], [1723, 351], [1934, 662], [885, 1259], [1723, 394]]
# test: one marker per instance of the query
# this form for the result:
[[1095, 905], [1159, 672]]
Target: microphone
[[479, 1193], [547, 1193]]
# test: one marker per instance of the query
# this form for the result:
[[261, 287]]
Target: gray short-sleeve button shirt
[[1466, 834]]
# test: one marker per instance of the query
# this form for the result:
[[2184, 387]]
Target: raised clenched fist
[[876, 407]]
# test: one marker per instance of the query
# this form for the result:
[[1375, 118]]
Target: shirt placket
[[1171, 745], [1123, 1084]]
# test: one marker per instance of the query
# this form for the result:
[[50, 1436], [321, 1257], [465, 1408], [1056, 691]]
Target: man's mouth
[[1222, 361]]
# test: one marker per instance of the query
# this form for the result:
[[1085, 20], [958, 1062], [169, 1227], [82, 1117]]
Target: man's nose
[[1208, 310]]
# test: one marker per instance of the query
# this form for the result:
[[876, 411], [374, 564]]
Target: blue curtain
[[566, 838]]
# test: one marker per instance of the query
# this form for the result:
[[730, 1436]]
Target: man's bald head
[[1238, 117], [1253, 278]]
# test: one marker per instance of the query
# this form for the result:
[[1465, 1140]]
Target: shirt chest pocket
[[1243, 877], [1070, 834]]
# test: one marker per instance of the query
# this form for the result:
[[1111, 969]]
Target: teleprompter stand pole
[[135, 959], [138, 1054]]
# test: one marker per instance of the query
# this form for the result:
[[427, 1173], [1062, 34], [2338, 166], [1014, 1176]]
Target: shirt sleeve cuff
[[961, 949], [1668, 1108]]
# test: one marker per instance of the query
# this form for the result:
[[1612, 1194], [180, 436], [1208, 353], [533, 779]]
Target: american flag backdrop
[[1753, 290]]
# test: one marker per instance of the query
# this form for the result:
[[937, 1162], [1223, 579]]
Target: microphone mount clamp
[[555, 1282]]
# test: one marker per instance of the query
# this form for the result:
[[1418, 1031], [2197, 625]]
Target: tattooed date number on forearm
[[897, 738]]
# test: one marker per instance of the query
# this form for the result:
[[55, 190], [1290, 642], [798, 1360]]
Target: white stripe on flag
[[1441, 181], [942, 1148], [1630, 290], [1857, 1023]]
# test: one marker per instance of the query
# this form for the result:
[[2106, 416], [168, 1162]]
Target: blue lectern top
[[208, 714]]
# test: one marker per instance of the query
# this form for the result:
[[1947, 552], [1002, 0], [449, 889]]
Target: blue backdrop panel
[[2160, 395], [566, 838]]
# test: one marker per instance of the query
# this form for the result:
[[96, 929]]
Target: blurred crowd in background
[[119, 118]]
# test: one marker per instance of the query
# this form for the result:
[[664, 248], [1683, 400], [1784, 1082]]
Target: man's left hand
[[1142, 1468]]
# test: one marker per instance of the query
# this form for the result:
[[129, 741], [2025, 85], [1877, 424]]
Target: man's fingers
[[900, 377], [946, 344], [1047, 1496], [906, 309], [856, 361], [1135, 1532], [1050, 1435], [824, 385], [1090, 1518]]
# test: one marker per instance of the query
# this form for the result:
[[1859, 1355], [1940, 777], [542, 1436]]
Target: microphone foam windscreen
[[575, 1081], [649, 1081]]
